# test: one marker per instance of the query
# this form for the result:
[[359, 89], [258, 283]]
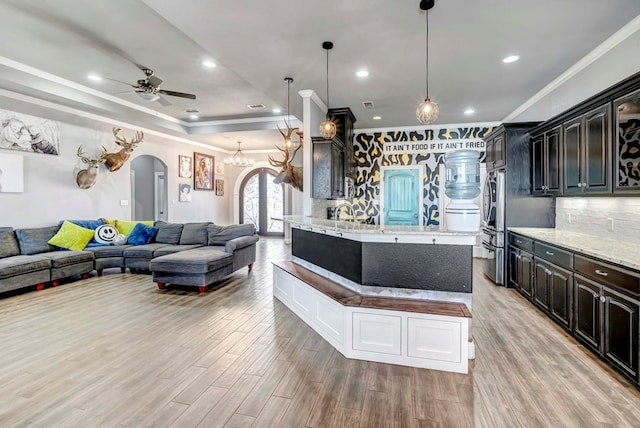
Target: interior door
[[402, 192], [262, 202]]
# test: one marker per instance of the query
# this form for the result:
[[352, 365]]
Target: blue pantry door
[[401, 196]]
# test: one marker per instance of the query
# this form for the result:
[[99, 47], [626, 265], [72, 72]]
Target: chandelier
[[238, 159], [427, 112], [328, 127]]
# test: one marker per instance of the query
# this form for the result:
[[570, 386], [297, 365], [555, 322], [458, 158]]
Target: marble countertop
[[361, 228], [620, 252]]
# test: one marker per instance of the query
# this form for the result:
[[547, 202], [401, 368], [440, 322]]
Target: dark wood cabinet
[[561, 296], [625, 144], [521, 271], [587, 152], [547, 162], [541, 281], [587, 312], [607, 322], [496, 151], [620, 331], [333, 159]]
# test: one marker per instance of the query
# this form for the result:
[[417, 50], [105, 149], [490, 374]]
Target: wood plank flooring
[[115, 351]]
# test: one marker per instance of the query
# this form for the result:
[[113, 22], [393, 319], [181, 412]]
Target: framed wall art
[[219, 168], [28, 133], [185, 166], [202, 171], [185, 192], [219, 187]]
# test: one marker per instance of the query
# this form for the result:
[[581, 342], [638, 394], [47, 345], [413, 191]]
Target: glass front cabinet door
[[627, 143]]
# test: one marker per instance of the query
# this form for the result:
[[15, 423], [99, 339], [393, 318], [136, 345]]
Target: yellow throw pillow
[[126, 226], [72, 237]]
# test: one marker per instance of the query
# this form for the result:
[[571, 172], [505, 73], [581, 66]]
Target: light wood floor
[[115, 351]]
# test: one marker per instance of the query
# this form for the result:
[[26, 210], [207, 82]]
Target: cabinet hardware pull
[[518, 241], [596, 296], [601, 272], [548, 272], [579, 184], [603, 299], [549, 253]]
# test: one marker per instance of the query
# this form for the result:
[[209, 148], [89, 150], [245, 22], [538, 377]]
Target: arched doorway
[[262, 202], [149, 189]]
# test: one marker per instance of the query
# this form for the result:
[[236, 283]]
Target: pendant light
[[288, 142], [238, 158], [427, 112], [328, 127]]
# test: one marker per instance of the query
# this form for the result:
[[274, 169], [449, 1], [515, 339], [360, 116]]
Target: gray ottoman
[[197, 267]]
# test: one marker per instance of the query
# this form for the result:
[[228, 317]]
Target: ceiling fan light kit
[[238, 158], [428, 111], [328, 127]]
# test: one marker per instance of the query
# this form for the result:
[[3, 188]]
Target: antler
[[91, 161], [127, 144], [81, 155]]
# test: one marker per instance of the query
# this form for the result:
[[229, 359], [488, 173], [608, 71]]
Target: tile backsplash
[[613, 218]]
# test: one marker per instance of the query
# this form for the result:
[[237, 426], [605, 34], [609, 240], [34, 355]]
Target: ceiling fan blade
[[120, 81], [154, 81], [177, 94], [164, 102]]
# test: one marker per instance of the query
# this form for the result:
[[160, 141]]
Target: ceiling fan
[[148, 89]]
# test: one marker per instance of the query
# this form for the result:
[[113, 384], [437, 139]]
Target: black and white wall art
[[28, 133]]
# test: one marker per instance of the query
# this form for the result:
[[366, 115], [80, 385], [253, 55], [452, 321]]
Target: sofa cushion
[[66, 258], [71, 237], [16, 265], [8, 243], [194, 233], [142, 251], [36, 240], [241, 242], [168, 233], [107, 251], [170, 249], [126, 226], [219, 235], [141, 234], [198, 260]]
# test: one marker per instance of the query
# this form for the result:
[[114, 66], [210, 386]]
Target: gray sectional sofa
[[26, 258]]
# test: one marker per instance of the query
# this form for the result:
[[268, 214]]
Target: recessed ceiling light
[[193, 116], [469, 111], [376, 117], [362, 73], [511, 58], [209, 64], [276, 110], [94, 77]]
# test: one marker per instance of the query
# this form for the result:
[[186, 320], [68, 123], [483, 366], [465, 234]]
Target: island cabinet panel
[[377, 333]]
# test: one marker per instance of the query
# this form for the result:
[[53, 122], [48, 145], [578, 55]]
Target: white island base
[[431, 335]]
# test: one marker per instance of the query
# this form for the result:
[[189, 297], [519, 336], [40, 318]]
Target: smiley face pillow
[[106, 234]]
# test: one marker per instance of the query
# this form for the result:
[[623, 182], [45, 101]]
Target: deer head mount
[[85, 178], [289, 174], [114, 161]]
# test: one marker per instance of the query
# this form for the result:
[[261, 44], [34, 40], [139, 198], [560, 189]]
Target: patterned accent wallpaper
[[369, 157]]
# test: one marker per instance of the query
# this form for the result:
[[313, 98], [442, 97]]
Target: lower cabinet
[[521, 271], [553, 291], [607, 322]]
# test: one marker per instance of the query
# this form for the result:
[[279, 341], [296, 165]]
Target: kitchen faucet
[[350, 211]]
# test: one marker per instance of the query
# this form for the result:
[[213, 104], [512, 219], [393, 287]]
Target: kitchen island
[[394, 294]]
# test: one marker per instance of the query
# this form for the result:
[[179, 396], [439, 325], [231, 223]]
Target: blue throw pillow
[[141, 234], [87, 224]]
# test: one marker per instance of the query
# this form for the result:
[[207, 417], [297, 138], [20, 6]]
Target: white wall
[[51, 194], [591, 216]]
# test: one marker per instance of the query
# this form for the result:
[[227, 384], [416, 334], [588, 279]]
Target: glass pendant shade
[[427, 112], [328, 128]]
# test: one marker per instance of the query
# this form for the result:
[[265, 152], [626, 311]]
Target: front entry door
[[402, 196]]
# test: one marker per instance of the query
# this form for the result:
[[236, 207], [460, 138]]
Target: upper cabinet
[[587, 152], [333, 159], [592, 148], [626, 144], [546, 162], [496, 151]]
